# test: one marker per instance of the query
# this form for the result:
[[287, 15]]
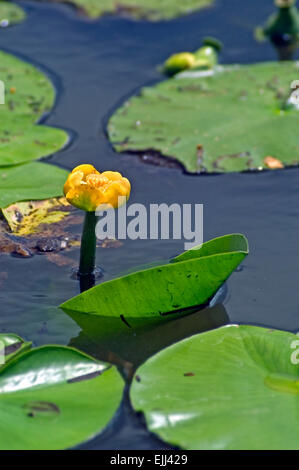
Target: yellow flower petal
[[86, 169], [88, 189]]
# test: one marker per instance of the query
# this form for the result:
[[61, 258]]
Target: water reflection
[[285, 47], [113, 340]]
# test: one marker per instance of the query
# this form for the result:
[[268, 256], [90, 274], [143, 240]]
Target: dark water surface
[[94, 66]]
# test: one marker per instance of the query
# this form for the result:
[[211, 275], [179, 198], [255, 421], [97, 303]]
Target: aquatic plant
[[282, 28], [29, 95], [206, 57], [53, 397], [188, 281], [223, 120], [89, 190]]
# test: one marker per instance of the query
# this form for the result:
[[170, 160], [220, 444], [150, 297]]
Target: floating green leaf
[[29, 95], [11, 346], [227, 121], [151, 9], [55, 397], [168, 288], [236, 387], [10, 14], [30, 181]]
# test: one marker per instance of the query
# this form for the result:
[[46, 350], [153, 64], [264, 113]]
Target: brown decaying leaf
[[48, 239], [273, 163]]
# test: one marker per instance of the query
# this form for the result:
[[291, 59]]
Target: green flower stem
[[88, 245]]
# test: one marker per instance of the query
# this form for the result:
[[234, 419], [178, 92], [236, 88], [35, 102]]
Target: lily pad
[[153, 10], [11, 346], [30, 181], [55, 397], [229, 119], [231, 388], [10, 14], [173, 287], [29, 95]]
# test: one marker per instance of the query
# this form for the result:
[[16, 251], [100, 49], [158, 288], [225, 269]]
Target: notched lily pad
[[236, 387], [55, 397], [28, 96], [172, 288], [231, 119]]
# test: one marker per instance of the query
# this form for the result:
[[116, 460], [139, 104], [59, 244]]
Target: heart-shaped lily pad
[[236, 387], [11, 346], [150, 9], [231, 119], [173, 287], [55, 397]]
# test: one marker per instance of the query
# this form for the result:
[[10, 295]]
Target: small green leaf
[[11, 346], [168, 288], [235, 387], [55, 397]]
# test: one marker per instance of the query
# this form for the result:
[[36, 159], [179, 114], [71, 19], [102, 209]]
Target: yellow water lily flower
[[88, 189]]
